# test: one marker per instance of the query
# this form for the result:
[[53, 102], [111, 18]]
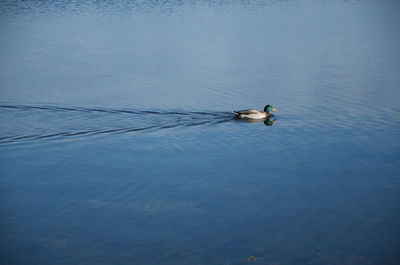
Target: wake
[[23, 123]]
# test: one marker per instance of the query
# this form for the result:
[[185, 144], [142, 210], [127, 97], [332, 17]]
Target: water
[[118, 145]]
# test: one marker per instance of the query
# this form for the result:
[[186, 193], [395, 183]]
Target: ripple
[[22, 123]]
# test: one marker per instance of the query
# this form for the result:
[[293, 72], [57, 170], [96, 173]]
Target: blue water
[[118, 143]]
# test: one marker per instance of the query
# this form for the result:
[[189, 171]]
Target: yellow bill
[[274, 109]]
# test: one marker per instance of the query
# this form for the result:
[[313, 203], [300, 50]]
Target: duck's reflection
[[267, 121]]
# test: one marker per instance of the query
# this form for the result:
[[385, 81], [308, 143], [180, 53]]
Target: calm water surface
[[118, 145]]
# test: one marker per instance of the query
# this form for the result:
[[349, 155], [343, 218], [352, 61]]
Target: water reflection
[[267, 121]]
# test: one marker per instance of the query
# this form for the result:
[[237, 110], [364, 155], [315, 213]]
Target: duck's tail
[[236, 113]]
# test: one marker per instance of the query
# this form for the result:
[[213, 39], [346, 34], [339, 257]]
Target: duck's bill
[[274, 109]]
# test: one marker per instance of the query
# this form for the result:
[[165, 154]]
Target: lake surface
[[118, 143]]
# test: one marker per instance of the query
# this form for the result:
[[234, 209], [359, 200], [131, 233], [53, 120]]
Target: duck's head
[[268, 109]]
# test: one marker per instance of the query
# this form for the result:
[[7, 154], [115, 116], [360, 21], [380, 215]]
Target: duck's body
[[251, 114], [254, 114]]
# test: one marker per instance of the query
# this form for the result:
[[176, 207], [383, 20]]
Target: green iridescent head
[[269, 108]]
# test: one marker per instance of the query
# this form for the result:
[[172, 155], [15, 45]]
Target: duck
[[255, 114]]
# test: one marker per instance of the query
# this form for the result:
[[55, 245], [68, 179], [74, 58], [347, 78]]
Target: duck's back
[[247, 112]]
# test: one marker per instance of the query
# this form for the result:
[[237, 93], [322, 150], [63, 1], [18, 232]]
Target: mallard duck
[[255, 114]]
